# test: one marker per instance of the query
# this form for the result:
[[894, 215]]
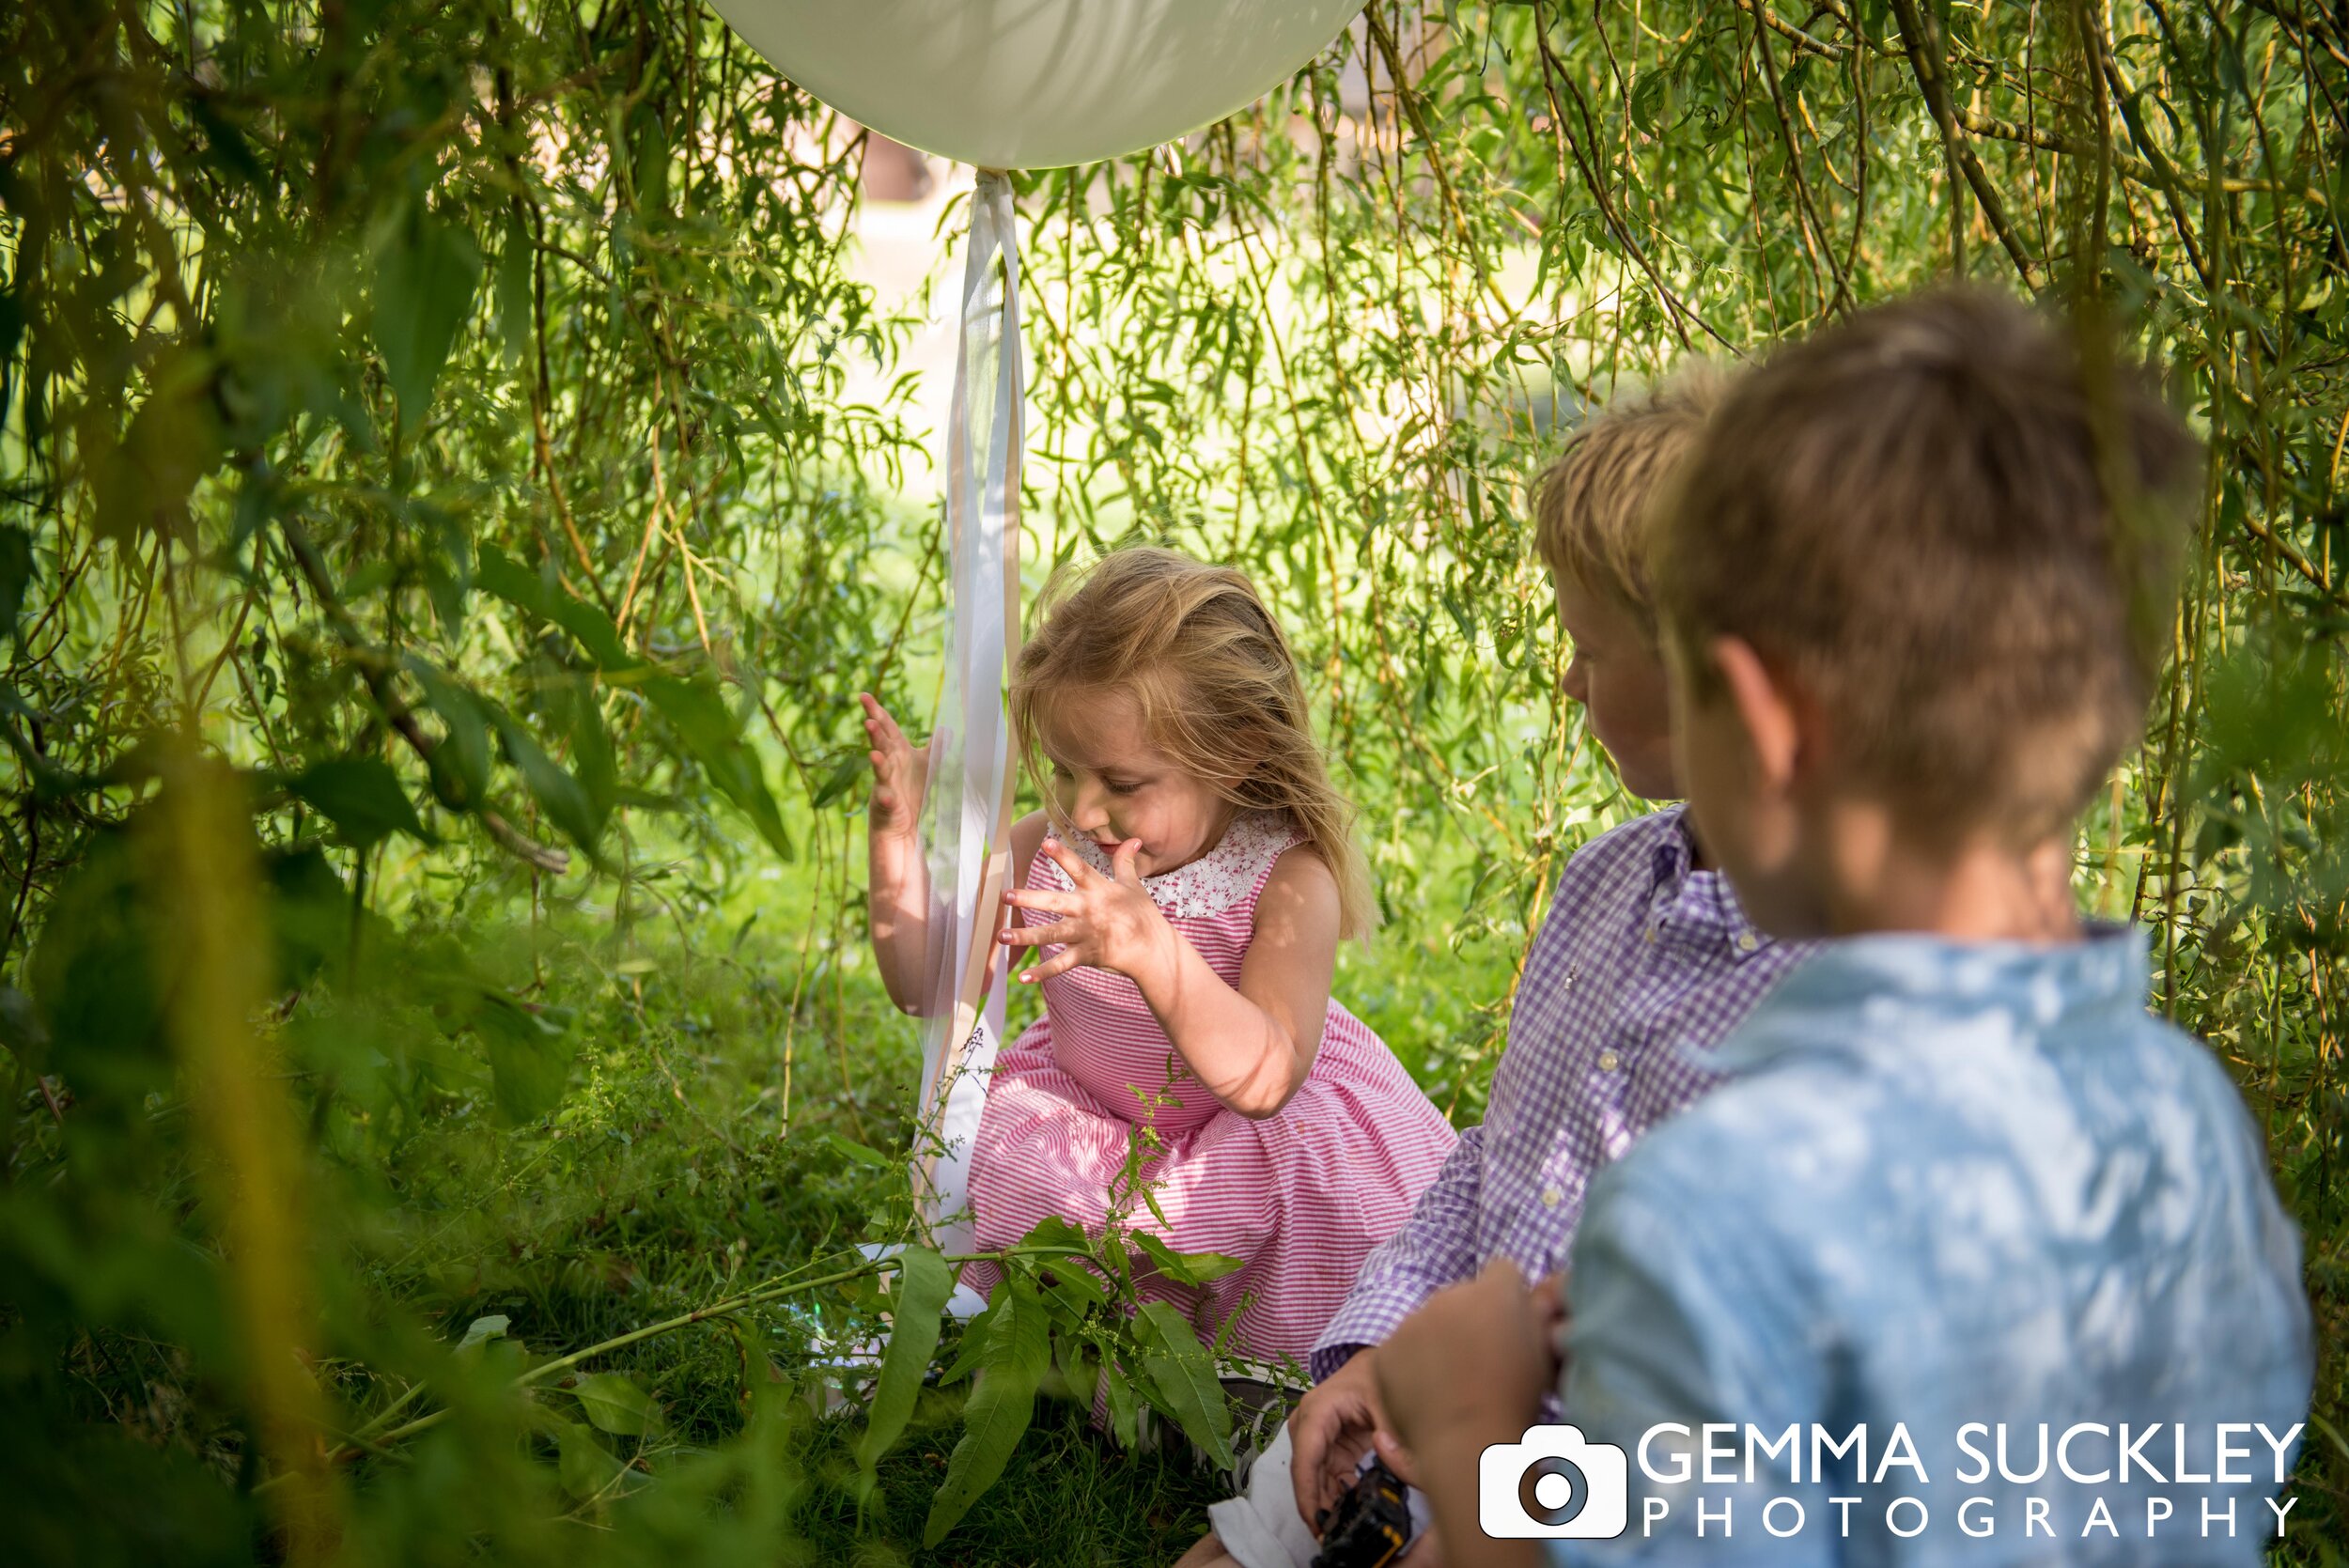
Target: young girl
[[1184, 893]]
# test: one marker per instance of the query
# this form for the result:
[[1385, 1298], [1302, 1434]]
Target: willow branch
[[374, 669], [1924, 61]]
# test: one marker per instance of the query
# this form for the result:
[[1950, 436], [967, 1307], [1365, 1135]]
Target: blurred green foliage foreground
[[454, 482]]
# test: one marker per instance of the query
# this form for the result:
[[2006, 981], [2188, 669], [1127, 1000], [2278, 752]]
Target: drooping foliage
[[455, 482]]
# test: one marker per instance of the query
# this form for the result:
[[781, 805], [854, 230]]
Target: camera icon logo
[[1553, 1484]]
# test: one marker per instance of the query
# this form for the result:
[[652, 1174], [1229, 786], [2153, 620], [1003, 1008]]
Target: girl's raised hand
[[900, 771], [1106, 923]]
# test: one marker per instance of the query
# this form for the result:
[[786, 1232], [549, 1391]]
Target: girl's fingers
[[877, 721], [1044, 898], [1070, 862], [1060, 963], [1058, 934]]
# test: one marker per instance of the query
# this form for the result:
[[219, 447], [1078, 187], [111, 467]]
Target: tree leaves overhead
[[362, 796], [562, 796], [424, 289], [699, 716]]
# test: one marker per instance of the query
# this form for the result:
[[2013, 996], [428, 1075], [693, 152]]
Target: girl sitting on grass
[[1186, 889]]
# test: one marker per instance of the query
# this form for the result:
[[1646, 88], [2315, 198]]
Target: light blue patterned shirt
[[1949, 1191]]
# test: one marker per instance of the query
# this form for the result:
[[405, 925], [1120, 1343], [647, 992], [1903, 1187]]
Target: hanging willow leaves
[[563, 798], [362, 796], [707, 731], [424, 289]]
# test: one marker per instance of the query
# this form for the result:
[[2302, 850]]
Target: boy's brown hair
[[1592, 505], [1959, 534]]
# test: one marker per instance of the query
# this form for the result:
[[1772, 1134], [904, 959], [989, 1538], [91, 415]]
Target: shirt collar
[[1694, 906], [1858, 993]]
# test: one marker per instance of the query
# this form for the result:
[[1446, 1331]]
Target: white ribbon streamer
[[966, 810]]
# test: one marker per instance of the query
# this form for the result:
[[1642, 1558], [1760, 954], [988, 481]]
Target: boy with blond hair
[[1961, 1194], [1644, 961]]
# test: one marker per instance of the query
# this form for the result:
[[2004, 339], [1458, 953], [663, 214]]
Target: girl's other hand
[[900, 771], [1106, 923]]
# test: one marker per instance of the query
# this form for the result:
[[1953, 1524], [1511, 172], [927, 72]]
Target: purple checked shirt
[[1640, 956]]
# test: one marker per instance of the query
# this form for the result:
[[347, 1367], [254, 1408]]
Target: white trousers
[[1262, 1529]]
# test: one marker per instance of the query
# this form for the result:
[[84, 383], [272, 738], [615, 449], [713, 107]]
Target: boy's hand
[[1330, 1430], [900, 772], [1108, 922], [1468, 1369]]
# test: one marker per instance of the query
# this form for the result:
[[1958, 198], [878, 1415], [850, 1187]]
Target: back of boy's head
[[1959, 534], [1592, 506], [1216, 687]]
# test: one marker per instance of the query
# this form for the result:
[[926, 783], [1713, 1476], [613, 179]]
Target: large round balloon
[[1035, 84]]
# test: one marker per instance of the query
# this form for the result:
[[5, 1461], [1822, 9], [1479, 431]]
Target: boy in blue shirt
[[1971, 1260]]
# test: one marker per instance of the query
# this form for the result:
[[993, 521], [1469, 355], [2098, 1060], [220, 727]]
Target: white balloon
[[1037, 83]]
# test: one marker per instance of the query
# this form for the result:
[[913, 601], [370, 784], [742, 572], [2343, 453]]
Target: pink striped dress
[[1300, 1198]]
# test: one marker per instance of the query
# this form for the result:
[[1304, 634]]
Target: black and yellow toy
[[1370, 1525]]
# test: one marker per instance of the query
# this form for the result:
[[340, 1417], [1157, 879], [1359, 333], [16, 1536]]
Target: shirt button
[[1609, 1060], [1551, 1197], [1746, 942], [1650, 933]]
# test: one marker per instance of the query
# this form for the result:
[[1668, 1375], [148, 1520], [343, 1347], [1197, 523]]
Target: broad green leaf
[[593, 764], [843, 774], [1019, 1348], [309, 910], [502, 575], [513, 583], [1124, 1408], [1189, 1269], [97, 978], [141, 484], [16, 574], [1072, 1284], [362, 796], [860, 1152], [530, 1054], [516, 317], [1183, 1374], [460, 763], [584, 1466], [563, 798], [923, 1283], [1163, 1258], [969, 1349], [1054, 1232], [424, 289], [699, 716], [493, 1327], [615, 1404], [1206, 1267]]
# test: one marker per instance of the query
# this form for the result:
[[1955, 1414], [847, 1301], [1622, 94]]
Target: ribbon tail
[[967, 808]]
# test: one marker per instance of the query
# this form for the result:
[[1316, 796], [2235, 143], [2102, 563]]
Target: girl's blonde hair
[[1218, 688]]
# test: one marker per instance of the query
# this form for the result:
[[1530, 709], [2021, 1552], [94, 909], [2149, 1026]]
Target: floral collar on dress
[[1214, 882]]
